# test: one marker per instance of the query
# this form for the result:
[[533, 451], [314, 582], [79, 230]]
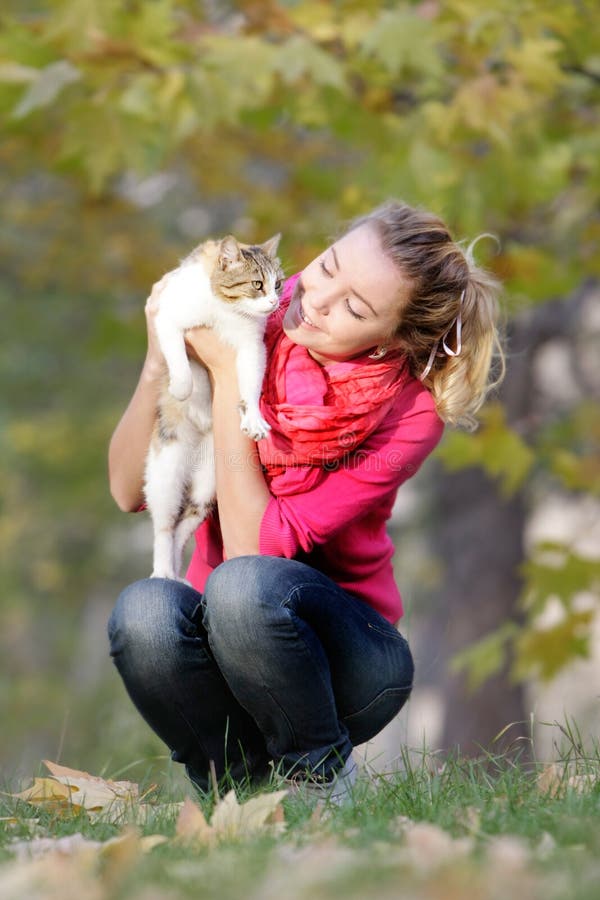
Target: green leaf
[[556, 571], [299, 57], [484, 658], [402, 40], [499, 450], [544, 652], [48, 84]]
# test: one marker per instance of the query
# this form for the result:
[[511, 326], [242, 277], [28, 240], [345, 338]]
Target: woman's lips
[[300, 314], [305, 320]]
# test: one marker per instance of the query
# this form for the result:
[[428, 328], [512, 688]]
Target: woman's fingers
[[157, 289]]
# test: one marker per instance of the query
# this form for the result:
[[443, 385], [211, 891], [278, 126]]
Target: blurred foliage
[[132, 130]]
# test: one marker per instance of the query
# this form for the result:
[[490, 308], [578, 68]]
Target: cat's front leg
[[172, 344], [250, 367]]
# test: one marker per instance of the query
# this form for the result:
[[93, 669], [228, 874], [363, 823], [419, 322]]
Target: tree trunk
[[479, 538]]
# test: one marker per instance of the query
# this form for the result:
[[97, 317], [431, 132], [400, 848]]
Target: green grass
[[495, 833]]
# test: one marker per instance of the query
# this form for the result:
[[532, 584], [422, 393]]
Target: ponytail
[[462, 381], [449, 326]]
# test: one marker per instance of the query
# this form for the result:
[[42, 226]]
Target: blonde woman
[[284, 649]]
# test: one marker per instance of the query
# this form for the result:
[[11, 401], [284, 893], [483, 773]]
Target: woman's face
[[348, 300]]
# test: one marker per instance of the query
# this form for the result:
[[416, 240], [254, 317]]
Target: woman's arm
[[242, 494], [131, 438]]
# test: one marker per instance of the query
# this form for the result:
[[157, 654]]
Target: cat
[[232, 288]]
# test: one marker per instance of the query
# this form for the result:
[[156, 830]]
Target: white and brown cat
[[232, 288]]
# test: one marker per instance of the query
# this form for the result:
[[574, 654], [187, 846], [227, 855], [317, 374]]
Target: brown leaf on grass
[[554, 781], [110, 852], [231, 819], [191, 826], [94, 792], [428, 847], [508, 853], [49, 794], [55, 877], [234, 820], [69, 791], [118, 855]]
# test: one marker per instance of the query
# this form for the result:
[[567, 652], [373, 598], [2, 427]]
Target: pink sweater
[[339, 527]]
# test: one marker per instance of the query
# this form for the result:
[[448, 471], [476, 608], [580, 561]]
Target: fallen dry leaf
[[93, 792], [49, 794], [72, 844], [234, 820], [508, 853], [191, 826], [69, 791], [427, 846], [554, 780], [231, 819]]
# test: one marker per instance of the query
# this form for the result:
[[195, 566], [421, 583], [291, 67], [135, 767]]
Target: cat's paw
[[181, 388], [253, 424]]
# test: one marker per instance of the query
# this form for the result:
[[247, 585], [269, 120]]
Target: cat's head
[[248, 275]]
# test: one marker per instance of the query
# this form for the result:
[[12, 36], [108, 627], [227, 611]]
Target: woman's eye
[[351, 311], [257, 285], [324, 268]]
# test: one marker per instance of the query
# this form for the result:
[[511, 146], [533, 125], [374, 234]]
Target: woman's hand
[[155, 360], [206, 347]]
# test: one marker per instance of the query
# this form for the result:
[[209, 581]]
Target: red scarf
[[318, 414]]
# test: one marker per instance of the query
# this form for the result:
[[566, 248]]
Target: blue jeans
[[273, 662]]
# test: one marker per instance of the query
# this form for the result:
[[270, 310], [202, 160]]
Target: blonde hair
[[445, 283]]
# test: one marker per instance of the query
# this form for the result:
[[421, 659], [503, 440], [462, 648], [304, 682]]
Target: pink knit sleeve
[[380, 465]]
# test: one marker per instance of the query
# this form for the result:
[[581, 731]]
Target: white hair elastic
[[448, 351]]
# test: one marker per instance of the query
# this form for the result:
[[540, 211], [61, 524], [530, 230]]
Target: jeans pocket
[[365, 723]]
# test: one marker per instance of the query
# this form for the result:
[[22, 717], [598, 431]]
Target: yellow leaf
[[92, 792], [191, 826], [150, 841], [119, 855], [233, 820], [536, 61], [49, 794]]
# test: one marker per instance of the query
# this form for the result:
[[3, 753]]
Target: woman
[[288, 651]]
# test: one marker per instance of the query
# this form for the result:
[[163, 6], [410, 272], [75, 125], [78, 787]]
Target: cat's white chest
[[188, 299]]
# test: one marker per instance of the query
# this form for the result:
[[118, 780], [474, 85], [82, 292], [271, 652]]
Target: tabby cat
[[232, 288]]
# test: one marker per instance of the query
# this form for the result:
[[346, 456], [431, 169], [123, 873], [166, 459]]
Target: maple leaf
[[69, 791], [230, 819], [49, 794]]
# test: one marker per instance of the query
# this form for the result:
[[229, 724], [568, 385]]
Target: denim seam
[[284, 715], [383, 693], [292, 614]]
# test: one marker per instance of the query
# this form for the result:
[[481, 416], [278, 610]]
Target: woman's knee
[[142, 615], [241, 592]]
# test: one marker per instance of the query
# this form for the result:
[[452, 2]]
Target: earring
[[378, 353]]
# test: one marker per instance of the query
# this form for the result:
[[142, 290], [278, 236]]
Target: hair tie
[[448, 351]]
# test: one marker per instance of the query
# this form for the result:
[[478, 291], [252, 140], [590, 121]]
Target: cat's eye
[[257, 285], [277, 285]]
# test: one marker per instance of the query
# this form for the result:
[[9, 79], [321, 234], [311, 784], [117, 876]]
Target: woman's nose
[[322, 297]]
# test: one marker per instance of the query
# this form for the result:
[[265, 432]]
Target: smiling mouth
[[305, 318]]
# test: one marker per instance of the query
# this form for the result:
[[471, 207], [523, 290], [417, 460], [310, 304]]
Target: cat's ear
[[270, 247], [229, 252]]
